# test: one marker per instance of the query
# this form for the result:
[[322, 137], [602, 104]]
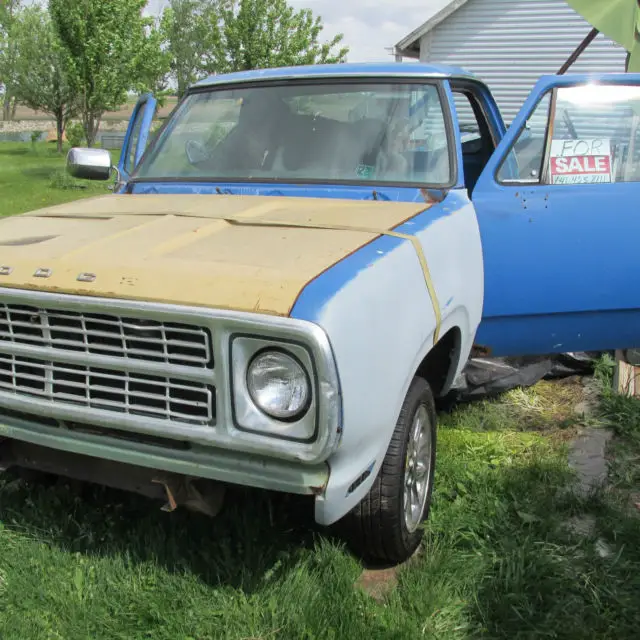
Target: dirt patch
[[588, 457], [548, 407], [583, 525], [378, 583], [562, 408], [558, 400]]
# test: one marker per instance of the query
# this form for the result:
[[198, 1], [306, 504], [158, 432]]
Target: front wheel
[[385, 525]]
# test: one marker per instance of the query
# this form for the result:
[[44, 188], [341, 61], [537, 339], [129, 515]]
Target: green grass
[[33, 176], [498, 561], [622, 414]]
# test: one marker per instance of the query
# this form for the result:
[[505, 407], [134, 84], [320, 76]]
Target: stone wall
[[23, 126]]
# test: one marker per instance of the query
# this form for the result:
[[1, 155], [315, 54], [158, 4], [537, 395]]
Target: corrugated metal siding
[[511, 43]]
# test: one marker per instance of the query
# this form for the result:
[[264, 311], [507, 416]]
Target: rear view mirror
[[89, 164]]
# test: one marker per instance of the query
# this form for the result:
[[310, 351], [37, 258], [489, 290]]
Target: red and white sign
[[580, 161]]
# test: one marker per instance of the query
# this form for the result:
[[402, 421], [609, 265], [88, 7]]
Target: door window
[[524, 161], [595, 135], [134, 139], [137, 136], [591, 137]]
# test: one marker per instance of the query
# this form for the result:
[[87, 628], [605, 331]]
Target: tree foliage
[[9, 10], [111, 52], [43, 72], [186, 26], [154, 74], [255, 34], [85, 55], [219, 36]]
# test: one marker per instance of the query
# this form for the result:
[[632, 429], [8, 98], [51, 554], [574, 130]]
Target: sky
[[368, 25]]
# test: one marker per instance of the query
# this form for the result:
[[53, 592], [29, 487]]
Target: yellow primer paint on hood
[[178, 249]]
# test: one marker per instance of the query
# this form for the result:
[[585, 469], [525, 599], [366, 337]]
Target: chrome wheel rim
[[417, 469]]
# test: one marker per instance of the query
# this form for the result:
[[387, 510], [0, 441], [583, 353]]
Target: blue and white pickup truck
[[296, 264]]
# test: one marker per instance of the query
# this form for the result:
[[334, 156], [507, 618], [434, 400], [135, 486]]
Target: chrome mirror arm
[[118, 183]]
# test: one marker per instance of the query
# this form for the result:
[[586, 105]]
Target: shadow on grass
[[104, 564], [13, 151], [254, 531], [37, 173]]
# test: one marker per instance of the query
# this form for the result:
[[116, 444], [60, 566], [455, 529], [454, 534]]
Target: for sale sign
[[580, 161]]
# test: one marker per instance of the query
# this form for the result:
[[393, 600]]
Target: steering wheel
[[196, 152]]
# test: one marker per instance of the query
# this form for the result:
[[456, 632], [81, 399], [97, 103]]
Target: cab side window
[[475, 135]]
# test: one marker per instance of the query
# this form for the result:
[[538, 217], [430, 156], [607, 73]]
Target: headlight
[[278, 385]]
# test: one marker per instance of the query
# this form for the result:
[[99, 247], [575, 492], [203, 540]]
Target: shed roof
[[437, 11]]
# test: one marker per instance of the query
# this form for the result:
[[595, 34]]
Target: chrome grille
[[96, 388], [106, 335], [103, 361]]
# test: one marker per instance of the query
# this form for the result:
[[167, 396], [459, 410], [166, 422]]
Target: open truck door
[[137, 136], [558, 206]]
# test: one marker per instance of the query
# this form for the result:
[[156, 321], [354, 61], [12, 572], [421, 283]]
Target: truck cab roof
[[359, 70]]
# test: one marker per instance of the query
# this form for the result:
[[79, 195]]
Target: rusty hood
[[185, 249]]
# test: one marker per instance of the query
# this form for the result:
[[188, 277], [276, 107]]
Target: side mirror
[[89, 164]]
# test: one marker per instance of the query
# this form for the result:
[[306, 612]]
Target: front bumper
[[199, 462]]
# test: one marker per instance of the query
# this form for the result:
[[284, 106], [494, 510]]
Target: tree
[[254, 34], [217, 36], [43, 78], [111, 52], [154, 72], [187, 29], [9, 11]]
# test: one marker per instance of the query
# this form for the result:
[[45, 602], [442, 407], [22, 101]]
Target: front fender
[[376, 310]]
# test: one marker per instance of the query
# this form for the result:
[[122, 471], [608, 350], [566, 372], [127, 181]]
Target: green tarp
[[619, 20]]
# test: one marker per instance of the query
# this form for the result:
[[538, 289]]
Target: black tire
[[376, 529]]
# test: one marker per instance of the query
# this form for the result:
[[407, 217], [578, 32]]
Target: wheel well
[[439, 363]]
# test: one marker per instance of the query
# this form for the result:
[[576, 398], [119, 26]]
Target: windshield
[[383, 133]]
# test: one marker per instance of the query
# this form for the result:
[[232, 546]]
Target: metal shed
[[508, 43]]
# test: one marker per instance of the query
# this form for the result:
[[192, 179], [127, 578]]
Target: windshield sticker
[[580, 161], [365, 171]]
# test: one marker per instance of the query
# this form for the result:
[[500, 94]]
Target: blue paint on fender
[[319, 291]]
